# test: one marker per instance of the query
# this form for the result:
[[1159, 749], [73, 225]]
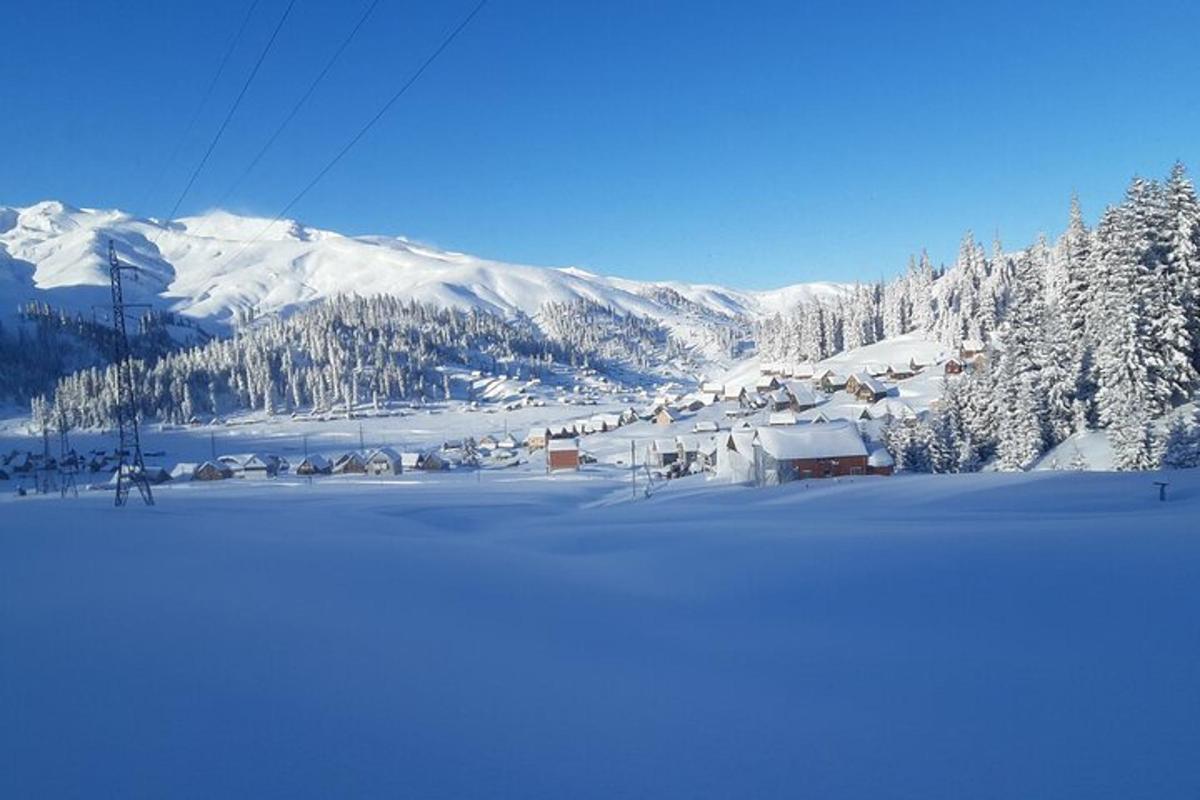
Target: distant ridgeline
[[1097, 330], [351, 350]]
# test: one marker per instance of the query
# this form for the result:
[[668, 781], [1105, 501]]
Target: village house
[[537, 438], [811, 451], [663, 417], [970, 348], [833, 382], [737, 394], [212, 471], [899, 372], [953, 366], [562, 454], [350, 463], [487, 442], [384, 461], [258, 465], [865, 388], [410, 461], [662, 452], [507, 442], [769, 384], [802, 397], [314, 465]]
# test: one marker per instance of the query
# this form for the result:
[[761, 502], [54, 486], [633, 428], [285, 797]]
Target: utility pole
[[633, 467], [131, 468], [362, 447]]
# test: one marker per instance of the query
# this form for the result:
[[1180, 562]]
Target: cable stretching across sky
[[232, 109], [365, 128]]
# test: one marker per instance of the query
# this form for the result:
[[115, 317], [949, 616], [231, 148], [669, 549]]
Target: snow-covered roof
[[385, 454], [803, 394], [316, 461], [561, 445], [663, 446], [890, 406], [706, 426], [873, 384], [832, 440], [184, 470], [781, 418], [880, 458]]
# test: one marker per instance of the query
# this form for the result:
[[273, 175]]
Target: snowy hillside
[[215, 266]]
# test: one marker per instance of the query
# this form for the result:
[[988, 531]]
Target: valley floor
[[513, 635]]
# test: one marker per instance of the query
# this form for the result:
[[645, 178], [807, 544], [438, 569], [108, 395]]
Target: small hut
[[350, 463], [384, 461], [562, 454], [314, 465]]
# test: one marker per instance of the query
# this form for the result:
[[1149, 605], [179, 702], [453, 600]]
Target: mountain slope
[[215, 266]]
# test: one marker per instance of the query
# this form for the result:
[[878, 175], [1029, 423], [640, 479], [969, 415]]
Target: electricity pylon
[[131, 468]]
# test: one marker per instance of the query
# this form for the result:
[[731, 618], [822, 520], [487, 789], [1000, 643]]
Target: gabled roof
[[386, 454], [832, 440], [873, 384], [880, 458], [316, 461], [562, 445]]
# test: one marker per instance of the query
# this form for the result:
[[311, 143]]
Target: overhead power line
[[365, 128], [299, 103], [233, 108], [204, 98]]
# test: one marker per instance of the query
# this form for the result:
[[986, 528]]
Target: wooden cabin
[[865, 388], [663, 417], [953, 366], [314, 465], [970, 348], [899, 372], [212, 471], [562, 454], [350, 464], [257, 466], [833, 382], [384, 461]]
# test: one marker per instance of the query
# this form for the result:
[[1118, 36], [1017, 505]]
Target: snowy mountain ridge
[[220, 265]]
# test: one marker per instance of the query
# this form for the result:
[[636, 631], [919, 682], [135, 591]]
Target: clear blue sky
[[754, 144]]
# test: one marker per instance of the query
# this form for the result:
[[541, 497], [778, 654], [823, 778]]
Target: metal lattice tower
[[68, 460], [131, 469]]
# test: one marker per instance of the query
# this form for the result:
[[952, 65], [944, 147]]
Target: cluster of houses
[[498, 450]]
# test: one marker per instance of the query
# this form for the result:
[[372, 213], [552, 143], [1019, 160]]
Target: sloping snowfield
[[1001, 636]]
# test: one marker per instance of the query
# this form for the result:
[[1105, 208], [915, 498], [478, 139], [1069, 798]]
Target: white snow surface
[[532, 636], [209, 266]]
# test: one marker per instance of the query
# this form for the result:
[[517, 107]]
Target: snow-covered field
[[513, 635]]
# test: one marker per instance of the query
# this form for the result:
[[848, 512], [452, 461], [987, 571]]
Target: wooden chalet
[[663, 416], [833, 382], [970, 348], [314, 465], [865, 388], [953, 366], [384, 461], [350, 463], [212, 471], [899, 372]]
